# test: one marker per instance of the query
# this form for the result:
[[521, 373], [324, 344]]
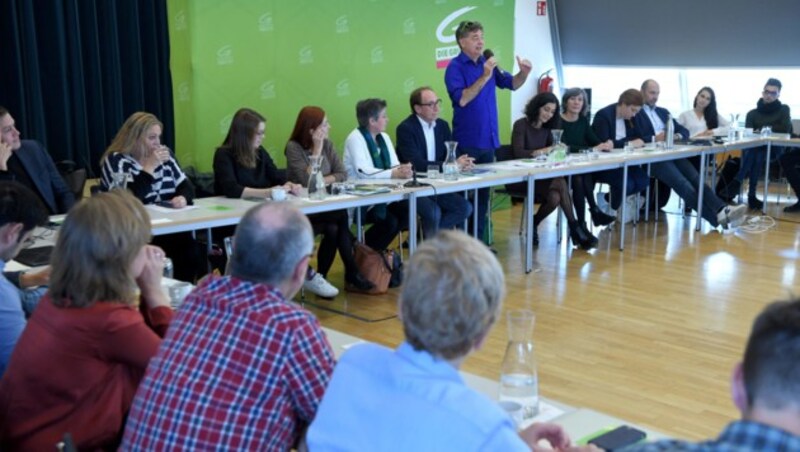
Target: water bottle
[[316, 182], [450, 165], [669, 132], [519, 381], [734, 125]]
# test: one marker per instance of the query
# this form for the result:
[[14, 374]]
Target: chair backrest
[[504, 152], [74, 177]]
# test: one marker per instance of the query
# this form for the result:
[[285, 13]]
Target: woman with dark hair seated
[[310, 138], [244, 169], [79, 361], [531, 137], [578, 134]]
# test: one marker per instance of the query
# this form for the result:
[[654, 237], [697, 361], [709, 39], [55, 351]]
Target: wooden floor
[[649, 334]]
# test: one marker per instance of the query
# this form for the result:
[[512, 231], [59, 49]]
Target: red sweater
[[76, 370]]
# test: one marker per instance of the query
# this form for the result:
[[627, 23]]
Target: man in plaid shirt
[[765, 388], [240, 367]]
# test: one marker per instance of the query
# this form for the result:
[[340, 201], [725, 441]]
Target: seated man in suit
[[680, 175], [420, 141], [765, 387], [27, 162]]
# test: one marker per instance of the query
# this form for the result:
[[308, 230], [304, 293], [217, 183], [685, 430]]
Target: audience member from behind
[[242, 368], [765, 387], [20, 212], [77, 364], [413, 398], [27, 162], [244, 169]]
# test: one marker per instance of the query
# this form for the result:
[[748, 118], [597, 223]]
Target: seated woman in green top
[[578, 134]]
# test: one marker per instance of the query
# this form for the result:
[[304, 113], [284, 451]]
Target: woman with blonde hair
[[136, 160], [79, 361]]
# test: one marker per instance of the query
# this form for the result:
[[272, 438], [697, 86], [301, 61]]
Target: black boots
[[581, 236], [600, 218]]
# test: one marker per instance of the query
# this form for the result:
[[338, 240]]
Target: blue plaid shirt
[[738, 436]]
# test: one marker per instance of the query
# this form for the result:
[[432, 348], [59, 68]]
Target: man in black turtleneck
[[768, 112]]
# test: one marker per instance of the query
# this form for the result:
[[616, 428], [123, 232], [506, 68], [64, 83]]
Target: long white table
[[218, 211]]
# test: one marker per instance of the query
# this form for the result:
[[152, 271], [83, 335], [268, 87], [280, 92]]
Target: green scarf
[[379, 152], [380, 159]]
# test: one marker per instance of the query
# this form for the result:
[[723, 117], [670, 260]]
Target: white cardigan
[[697, 125]]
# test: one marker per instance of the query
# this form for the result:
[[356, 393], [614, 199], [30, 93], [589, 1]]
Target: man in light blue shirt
[[413, 398], [20, 212]]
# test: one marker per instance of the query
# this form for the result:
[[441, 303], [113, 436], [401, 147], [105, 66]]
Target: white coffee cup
[[278, 194], [513, 409]]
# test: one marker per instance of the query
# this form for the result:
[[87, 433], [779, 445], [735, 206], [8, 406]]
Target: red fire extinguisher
[[546, 82]]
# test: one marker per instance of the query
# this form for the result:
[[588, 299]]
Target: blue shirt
[[475, 125], [406, 400], [739, 436], [12, 319]]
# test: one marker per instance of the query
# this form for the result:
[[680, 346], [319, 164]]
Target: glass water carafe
[[519, 381], [558, 153], [316, 182], [450, 165]]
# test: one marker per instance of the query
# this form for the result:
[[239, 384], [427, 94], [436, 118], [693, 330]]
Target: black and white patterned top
[[162, 185]]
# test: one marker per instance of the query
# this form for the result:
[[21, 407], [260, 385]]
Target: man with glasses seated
[[471, 79], [20, 212], [769, 112], [420, 141]]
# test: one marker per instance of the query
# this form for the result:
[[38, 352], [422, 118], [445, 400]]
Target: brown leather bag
[[374, 266]]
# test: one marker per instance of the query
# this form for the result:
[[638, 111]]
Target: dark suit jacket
[[40, 168], [646, 126], [605, 126], [410, 143]]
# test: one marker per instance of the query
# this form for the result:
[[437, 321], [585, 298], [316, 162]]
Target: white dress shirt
[[430, 138], [658, 124]]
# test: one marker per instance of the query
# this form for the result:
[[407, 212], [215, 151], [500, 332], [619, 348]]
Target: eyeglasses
[[768, 92], [435, 103]]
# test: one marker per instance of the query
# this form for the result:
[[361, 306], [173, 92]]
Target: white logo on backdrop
[[443, 55], [306, 55], [498, 3], [225, 55], [409, 27], [409, 85], [376, 56], [440, 2], [343, 88], [268, 89], [265, 23], [180, 20], [448, 25], [225, 124], [183, 92], [342, 25]]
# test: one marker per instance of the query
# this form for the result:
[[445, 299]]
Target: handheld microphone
[[487, 53]]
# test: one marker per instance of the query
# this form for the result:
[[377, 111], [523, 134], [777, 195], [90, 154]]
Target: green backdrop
[[278, 56]]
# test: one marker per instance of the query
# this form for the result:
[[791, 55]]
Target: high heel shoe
[[357, 282], [600, 218], [581, 236]]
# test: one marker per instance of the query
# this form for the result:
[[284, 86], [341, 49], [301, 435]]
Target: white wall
[[531, 41]]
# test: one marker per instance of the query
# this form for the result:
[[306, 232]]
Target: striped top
[[162, 185]]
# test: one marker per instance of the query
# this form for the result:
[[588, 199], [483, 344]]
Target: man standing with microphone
[[471, 79]]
